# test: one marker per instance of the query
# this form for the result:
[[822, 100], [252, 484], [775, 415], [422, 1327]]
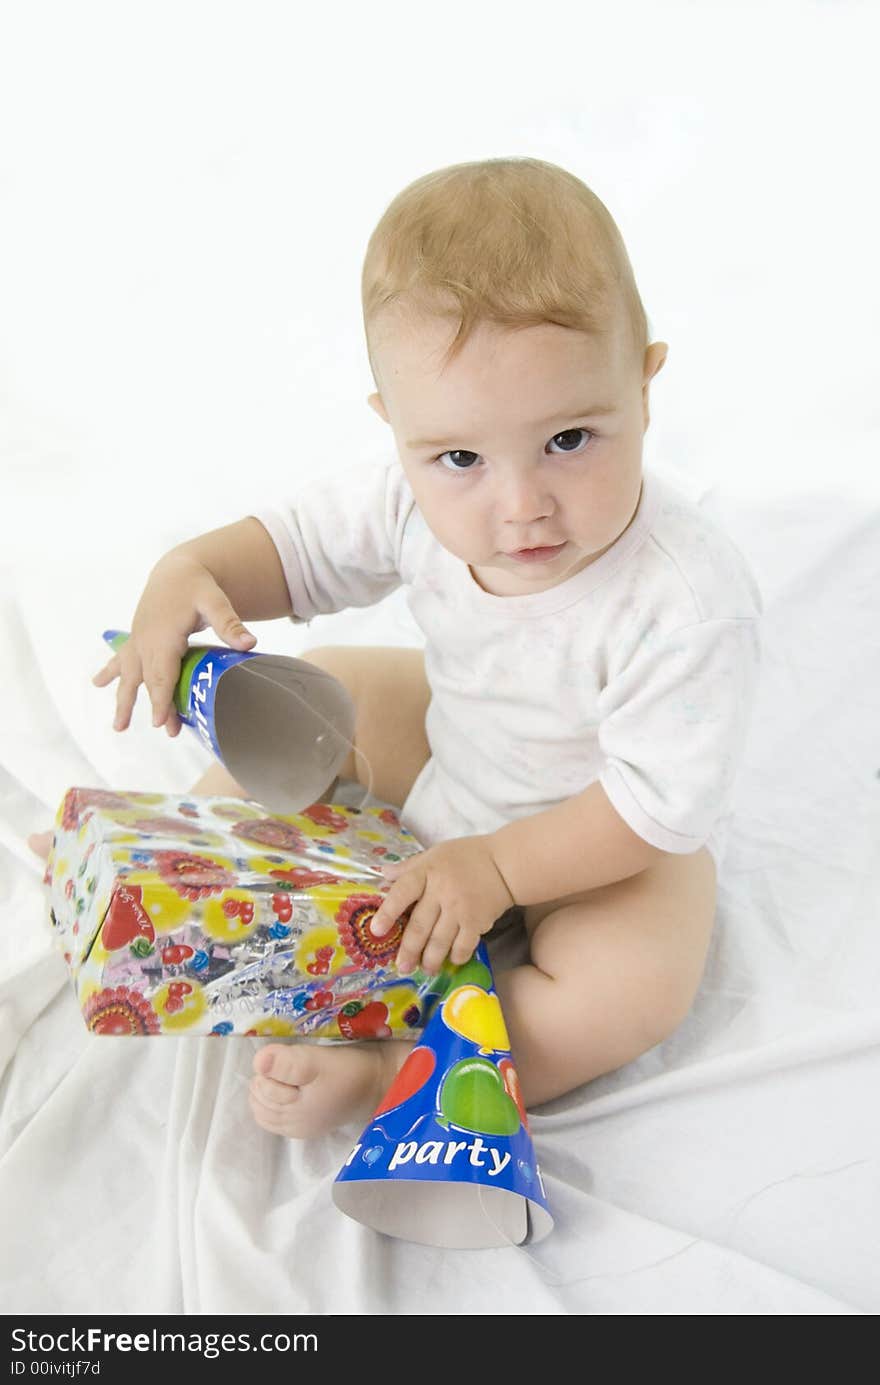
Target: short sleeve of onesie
[[672, 727], [339, 539]]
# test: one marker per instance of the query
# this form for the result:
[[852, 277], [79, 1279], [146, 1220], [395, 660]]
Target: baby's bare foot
[[41, 842], [302, 1090]]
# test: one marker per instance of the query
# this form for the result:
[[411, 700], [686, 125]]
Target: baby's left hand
[[458, 892]]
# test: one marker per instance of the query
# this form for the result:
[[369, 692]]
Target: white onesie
[[639, 671]]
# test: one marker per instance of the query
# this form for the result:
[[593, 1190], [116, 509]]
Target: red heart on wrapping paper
[[321, 964], [368, 1023], [413, 1075], [174, 953], [126, 919]]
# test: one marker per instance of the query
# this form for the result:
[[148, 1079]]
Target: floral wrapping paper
[[185, 915]]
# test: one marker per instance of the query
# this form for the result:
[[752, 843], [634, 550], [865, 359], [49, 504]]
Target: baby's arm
[[577, 845], [244, 562], [460, 887], [217, 579]]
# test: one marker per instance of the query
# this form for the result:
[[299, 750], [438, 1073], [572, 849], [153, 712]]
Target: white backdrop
[[186, 192]]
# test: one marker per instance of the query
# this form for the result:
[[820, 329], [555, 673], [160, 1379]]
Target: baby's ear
[[375, 402], [655, 359]]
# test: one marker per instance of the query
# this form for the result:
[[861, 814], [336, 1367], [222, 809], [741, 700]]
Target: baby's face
[[528, 439]]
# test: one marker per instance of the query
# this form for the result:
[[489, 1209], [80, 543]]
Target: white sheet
[[731, 1170]]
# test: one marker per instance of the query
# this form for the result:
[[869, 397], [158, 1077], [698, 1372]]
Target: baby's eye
[[571, 433], [459, 452], [463, 460]]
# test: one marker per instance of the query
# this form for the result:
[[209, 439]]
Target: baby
[[566, 746]]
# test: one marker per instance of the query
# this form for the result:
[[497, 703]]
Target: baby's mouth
[[542, 554]]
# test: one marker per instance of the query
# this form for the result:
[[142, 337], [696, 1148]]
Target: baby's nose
[[525, 501]]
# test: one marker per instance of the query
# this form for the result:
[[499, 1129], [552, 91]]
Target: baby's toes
[[280, 1073], [41, 843], [281, 1069], [272, 1115], [271, 1095]]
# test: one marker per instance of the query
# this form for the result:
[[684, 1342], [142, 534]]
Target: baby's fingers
[[421, 925], [463, 948], [107, 673], [129, 681], [223, 617], [442, 938], [126, 693], [402, 894], [161, 681]]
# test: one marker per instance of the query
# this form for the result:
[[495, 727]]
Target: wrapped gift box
[[183, 915]]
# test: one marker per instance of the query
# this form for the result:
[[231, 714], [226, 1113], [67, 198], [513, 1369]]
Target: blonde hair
[[515, 242]]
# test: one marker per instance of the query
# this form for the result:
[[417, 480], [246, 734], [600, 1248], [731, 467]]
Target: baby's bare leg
[[217, 782], [301, 1089], [612, 973]]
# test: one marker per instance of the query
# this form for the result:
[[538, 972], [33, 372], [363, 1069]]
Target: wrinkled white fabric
[[731, 1170]]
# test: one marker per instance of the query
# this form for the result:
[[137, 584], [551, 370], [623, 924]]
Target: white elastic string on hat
[[567, 1281], [516, 1245], [368, 796]]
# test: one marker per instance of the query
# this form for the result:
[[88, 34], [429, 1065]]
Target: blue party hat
[[447, 1158], [281, 726]]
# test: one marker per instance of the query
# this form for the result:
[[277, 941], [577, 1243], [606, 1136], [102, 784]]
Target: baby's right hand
[[181, 597]]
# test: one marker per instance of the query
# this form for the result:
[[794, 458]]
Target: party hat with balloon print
[[447, 1158], [248, 708]]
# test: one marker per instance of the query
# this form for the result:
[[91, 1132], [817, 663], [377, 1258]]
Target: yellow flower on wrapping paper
[[231, 918], [318, 954], [166, 908], [273, 1028], [180, 1004]]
